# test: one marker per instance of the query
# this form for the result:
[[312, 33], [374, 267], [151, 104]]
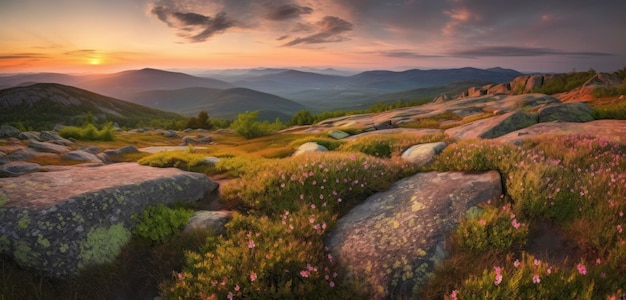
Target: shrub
[[247, 125], [89, 132], [159, 223], [559, 83], [495, 229], [610, 111], [186, 160]]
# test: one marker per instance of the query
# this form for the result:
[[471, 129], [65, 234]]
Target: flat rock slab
[[415, 131], [60, 222], [392, 241], [611, 129]]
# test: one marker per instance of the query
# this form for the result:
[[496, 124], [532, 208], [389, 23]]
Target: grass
[[274, 246]]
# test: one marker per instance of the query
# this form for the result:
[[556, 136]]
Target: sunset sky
[[114, 35]]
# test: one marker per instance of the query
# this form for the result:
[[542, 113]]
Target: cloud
[[288, 11], [401, 53], [328, 30], [511, 51], [194, 27], [22, 56]]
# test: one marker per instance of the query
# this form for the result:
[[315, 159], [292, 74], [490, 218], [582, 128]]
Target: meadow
[[273, 248]]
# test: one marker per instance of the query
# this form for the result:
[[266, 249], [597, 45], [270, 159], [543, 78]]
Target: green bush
[[495, 229], [559, 83], [185, 160], [159, 223], [615, 111], [247, 125], [89, 132]]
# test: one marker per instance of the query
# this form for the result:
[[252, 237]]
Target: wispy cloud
[[194, 27], [288, 11], [22, 56], [402, 53], [328, 30], [511, 51]]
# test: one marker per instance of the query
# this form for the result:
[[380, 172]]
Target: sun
[[95, 61]]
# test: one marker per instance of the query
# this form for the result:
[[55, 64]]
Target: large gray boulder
[[29, 135], [338, 134], [47, 147], [309, 147], [188, 140], [213, 221], [566, 112], [423, 154], [64, 221], [18, 168], [493, 127], [53, 137], [121, 151], [393, 240], [7, 131], [82, 156]]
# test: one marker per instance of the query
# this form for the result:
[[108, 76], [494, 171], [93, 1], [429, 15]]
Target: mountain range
[[274, 92], [43, 104]]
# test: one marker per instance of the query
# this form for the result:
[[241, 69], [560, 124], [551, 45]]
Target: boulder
[[476, 92], [338, 134], [500, 89], [187, 140], [210, 161], [213, 221], [47, 147], [122, 151], [423, 154], [90, 149], [204, 139], [614, 130], [383, 125], [29, 136], [494, 126], [63, 221], [83, 156], [566, 112], [7, 131], [17, 168], [534, 82], [394, 239], [309, 148], [170, 134], [53, 137]]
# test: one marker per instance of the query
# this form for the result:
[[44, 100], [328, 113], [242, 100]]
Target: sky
[[99, 36]]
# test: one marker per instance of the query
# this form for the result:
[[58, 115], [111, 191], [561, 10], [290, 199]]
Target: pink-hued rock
[[611, 129]]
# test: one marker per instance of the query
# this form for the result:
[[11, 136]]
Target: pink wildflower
[[312, 206], [536, 279], [251, 244], [332, 284], [619, 228], [482, 222], [237, 288], [549, 270], [516, 263], [230, 296], [181, 276], [253, 276], [454, 294], [581, 269], [515, 224], [537, 262], [305, 273]]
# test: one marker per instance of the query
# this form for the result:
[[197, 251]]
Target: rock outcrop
[[393, 240], [309, 148], [61, 222], [567, 112], [423, 154]]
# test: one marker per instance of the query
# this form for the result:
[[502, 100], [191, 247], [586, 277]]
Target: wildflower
[[332, 284], [516, 263], [305, 274], [515, 224], [181, 276], [253, 276], [237, 288], [598, 261], [352, 157], [482, 222], [536, 279], [321, 196], [454, 294], [230, 296], [251, 244], [498, 276], [312, 206], [339, 200], [301, 196], [619, 228], [327, 277], [581, 269], [537, 262], [549, 270]]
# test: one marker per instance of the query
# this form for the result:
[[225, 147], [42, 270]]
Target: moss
[[43, 241], [23, 222], [64, 247], [4, 243], [22, 253], [102, 245]]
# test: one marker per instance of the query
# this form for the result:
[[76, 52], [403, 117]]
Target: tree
[[201, 121], [302, 117]]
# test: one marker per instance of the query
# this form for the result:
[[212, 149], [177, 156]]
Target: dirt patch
[[549, 243]]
